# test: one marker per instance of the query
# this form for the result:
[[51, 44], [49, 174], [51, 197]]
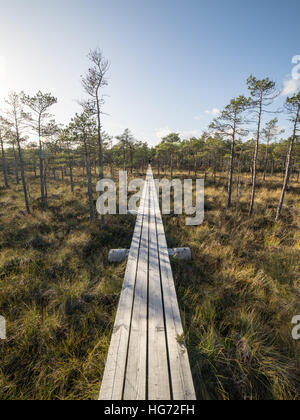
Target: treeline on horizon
[[84, 145]]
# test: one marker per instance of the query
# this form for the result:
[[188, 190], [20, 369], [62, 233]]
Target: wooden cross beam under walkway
[[147, 358]]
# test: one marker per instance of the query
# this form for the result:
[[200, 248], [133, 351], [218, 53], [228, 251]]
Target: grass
[[238, 295]]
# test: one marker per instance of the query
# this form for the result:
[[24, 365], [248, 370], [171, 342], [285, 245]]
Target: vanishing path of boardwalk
[[147, 358]]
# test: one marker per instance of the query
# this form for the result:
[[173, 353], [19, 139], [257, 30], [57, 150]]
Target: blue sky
[[172, 62]]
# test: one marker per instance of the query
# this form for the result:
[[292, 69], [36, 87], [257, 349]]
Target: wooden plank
[[148, 322], [113, 379], [158, 376], [136, 372], [181, 377]]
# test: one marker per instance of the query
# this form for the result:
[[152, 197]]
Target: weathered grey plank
[[148, 323], [158, 377], [181, 377], [113, 379], [136, 372]]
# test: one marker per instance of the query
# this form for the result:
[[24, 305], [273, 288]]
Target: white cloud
[[190, 133], [184, 134], [290, 87], [163, 132], [214, 111], [211, 112]]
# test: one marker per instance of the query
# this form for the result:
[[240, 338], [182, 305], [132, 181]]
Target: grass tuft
[[238, 295]]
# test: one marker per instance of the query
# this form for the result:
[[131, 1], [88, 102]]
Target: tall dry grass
[[238, 294]]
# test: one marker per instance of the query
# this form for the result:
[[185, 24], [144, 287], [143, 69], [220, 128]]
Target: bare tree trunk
[[124, 159], [112, 170], [45, 184], [34, 168], [71, 176], [23, 177], [290, 179], [4, 165], [288, 167], [255, 160], [230, 180], [131, 161], [89, 176], [16, 166], [266, 162], [44, 204], [239, 183], [100, 151]]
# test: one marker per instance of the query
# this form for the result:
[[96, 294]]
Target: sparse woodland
[[240, 291]]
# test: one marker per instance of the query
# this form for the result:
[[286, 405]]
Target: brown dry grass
[[237, 296]]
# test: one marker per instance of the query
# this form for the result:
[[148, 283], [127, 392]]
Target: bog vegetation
[[237, 296]]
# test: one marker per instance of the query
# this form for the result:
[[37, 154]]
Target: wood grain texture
[[181, 377], [158, 377], [147, 357], [113, 379], [136, 372]]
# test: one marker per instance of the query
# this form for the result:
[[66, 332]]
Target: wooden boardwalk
[[147, 359]]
